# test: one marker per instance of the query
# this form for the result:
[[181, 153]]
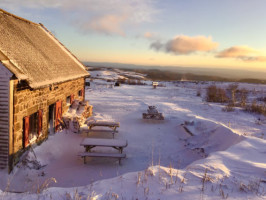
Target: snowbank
[[234, 169], [233, 166], [210, 136], [238, 173]]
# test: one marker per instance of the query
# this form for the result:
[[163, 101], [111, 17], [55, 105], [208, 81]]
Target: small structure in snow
[[152, 113], [155, 84], [117, 84]]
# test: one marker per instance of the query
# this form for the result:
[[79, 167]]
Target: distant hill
[[218, 72]]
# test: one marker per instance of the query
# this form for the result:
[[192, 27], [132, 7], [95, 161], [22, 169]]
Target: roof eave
[[12, 68], [42, 85]]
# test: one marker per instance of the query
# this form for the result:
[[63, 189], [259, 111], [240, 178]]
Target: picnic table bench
[[112, 125], [90, 143], [110, 155]]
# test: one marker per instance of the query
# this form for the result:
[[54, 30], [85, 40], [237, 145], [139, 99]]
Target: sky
[[188, 33]]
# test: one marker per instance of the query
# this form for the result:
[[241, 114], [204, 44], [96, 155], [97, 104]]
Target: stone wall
[[27, 102]]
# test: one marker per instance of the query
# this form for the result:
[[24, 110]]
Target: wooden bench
[[101, 131], [112, 125], [106, 155], [89, 143]]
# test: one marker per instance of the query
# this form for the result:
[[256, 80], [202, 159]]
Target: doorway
[[51, 121]]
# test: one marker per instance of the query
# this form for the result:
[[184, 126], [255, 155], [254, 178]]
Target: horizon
[[218, 72], [166, 66], [152, 33]]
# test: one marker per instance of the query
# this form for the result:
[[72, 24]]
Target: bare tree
[[233, 88], [243, 97]]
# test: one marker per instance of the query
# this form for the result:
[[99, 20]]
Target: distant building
[[39, 78]]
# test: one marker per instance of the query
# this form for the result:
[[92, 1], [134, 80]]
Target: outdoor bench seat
[[97, 154]]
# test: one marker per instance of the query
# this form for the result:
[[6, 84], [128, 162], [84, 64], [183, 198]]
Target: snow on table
[[103, 142], [104, 123]]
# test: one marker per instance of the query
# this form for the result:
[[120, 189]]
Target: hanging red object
[[58, 114], [71, 98], [26, 131], [82, 92]]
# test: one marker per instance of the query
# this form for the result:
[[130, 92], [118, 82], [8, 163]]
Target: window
[[68, 100], [81, 93], [32, 127]]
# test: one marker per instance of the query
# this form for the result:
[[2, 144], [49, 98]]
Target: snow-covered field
[[115, 74], [224, 159]]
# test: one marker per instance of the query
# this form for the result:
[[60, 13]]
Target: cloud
[[243, 53], [17, 4], [108, 17], [108, 24], [148, 35], [157, 45], [183, 45]]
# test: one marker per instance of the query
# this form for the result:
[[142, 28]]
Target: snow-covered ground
[[115, 74], [225, 157]]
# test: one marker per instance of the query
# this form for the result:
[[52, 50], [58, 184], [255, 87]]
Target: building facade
[[39, 79]]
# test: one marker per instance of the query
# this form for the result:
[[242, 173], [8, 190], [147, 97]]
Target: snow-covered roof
[[33, 54]]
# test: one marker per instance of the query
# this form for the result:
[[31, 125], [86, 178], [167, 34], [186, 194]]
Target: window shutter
[[82, 93], [26, 131], [58, 114], [71, 98], [39, 122]]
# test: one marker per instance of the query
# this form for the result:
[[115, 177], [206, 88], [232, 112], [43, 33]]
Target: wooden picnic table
[[90, 143], [112, 125]]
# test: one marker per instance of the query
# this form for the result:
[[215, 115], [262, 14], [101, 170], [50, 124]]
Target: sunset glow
[[192, 33]]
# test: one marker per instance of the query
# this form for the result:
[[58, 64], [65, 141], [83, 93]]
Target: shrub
[[131, 82], [228, 108], [243, 93], [262, 99], [256, 108], [121, 80], [134, 82], [216, 94]]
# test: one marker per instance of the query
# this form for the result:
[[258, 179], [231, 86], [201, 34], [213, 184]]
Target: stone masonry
[[27, 102]]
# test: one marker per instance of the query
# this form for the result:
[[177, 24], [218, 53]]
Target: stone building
[[39, 78]]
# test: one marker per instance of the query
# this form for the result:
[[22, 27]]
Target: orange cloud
[[185, 45], [87, 16], [243, 53], [109, 24], [149, 35]]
